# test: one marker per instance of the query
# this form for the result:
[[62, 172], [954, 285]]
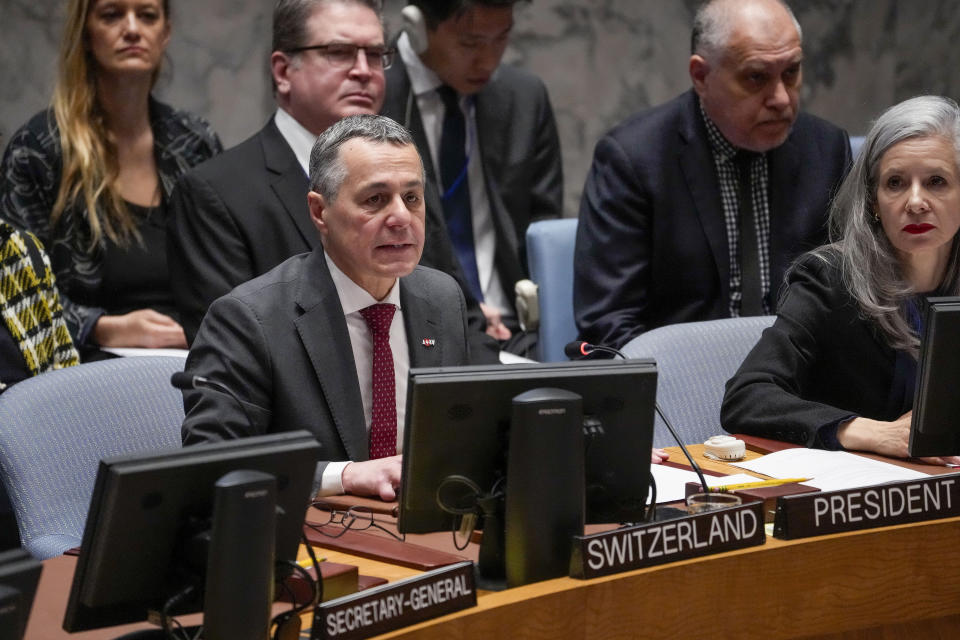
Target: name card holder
[[396, 605], [647, 545], [882, 505]]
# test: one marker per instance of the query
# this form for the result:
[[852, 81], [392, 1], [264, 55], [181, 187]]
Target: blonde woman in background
[[91, 175]]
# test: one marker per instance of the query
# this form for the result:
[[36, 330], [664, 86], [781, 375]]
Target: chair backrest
[[55, 428], [550, 257], [694, 362], [856, 144]]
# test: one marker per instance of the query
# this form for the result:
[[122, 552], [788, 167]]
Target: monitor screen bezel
[[934, 430], [290, 456], [416, 516]]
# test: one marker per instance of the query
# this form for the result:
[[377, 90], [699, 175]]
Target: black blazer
[[281, 342], [652, 243], [818, 365], [520, 152], [243, 213], [233, 218]]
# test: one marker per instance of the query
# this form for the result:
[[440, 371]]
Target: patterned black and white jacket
[[33, 336]]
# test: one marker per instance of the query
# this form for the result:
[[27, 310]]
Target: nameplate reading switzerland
[[648, 545], [396, 605], [882, 505]]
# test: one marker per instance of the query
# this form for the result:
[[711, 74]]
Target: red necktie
[[383, 426]]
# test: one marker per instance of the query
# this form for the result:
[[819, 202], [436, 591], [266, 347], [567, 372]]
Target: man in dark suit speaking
[[694, 209], [324, 341]]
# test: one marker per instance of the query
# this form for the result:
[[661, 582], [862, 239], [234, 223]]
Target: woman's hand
[[885, 438], [144, 328], [658, 456]]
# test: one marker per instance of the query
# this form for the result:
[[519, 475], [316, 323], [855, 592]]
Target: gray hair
[[290, 20], [714, 22], [869, 264], [327, 171]]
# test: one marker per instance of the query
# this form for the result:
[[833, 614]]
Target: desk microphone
[[185, 381], [580, 349]]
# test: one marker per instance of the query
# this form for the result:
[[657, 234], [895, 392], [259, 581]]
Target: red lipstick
[[917, 229]]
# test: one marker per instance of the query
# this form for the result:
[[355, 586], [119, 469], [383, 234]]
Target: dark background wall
[[601, 60]]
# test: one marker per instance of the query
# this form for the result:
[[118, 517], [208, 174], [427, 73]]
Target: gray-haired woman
[[838, 367]]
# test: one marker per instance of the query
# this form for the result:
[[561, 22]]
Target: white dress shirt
[[353, 298], [300, 140], [424, 83]]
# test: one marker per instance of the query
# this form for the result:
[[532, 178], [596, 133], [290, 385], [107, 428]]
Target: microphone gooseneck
[[182, 380], [580, 349], [185, 381]]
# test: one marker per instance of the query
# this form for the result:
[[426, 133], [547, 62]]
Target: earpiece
[[416, 27]]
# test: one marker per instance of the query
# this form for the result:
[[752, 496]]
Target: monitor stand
[[240, 560], [529, 529], [491, 568]]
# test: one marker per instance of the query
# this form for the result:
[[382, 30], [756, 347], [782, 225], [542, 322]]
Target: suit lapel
[[697, 164], [436, 225], [421, 319], [288, 181], [491, 109], [784, 166], [401, 105], [323, 332]]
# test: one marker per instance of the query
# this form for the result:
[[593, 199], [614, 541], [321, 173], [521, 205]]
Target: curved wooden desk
[[894, 582]]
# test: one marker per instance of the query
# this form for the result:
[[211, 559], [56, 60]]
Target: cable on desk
[[477, 504], [651, 510]]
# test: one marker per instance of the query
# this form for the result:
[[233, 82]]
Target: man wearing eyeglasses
[[245, 211], [489, 141]]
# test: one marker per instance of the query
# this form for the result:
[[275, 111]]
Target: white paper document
[[828, 470], [672, 482], [132, 352]]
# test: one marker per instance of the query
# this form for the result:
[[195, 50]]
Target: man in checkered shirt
[[694, 209]]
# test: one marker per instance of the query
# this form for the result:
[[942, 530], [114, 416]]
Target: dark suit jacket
[[243, 213], [652, 242], [818, 365], [234, 218], [280, 341], [520, 152]]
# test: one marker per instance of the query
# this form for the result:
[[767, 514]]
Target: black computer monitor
[[458, 425], [150, 516], [19, 574], [935, 428]]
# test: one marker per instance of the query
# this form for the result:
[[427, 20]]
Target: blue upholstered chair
[[694, 362], [55, 428], [856, 144], [550, 257]]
